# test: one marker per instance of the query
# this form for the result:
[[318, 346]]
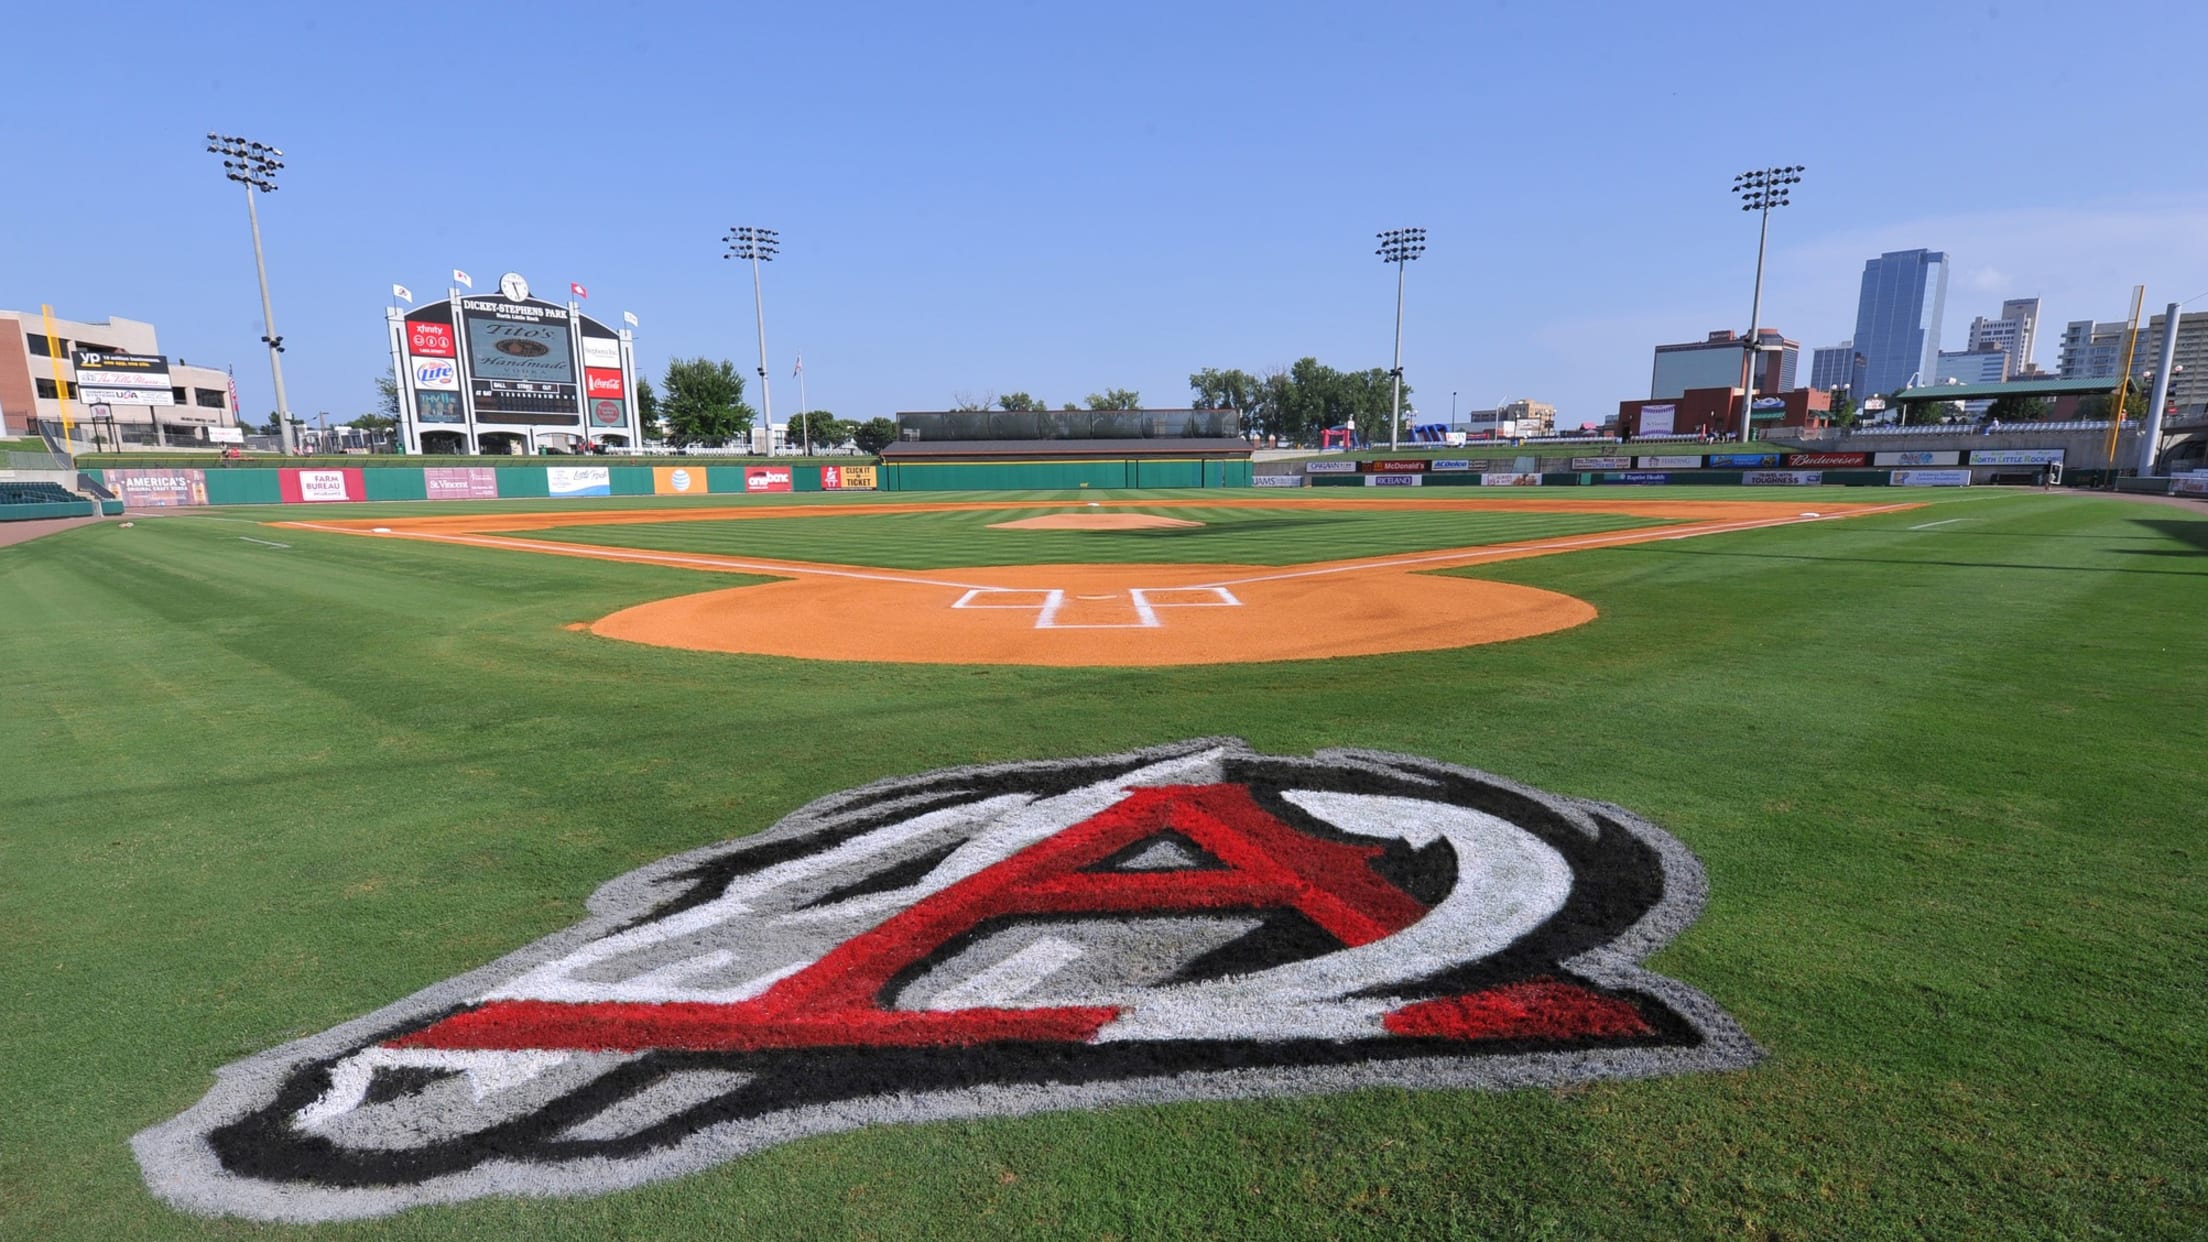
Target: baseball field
[[1937, 757]]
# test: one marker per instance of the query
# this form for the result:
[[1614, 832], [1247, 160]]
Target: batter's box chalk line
[[1143, 604]]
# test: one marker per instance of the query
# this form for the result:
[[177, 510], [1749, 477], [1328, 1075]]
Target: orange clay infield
[[1074, 615]]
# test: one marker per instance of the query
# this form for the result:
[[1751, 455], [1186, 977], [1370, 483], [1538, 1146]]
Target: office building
[[1897, 318], [2189, 387], [1714, 362], [154, 401], [2092, 350], [1837, 367], [1986, 364]]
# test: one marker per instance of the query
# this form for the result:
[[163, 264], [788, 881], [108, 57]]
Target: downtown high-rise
[[1897, 318]]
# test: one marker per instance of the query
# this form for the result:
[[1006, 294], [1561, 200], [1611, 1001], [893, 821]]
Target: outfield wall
[[155, 487]]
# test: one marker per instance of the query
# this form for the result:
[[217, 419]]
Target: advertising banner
[[317, 486], [158, 489], [607, 414], [1330, 467], [579, 480], [1828, 459], [602, 384], [1637, 476], [2190, 485], [678, 480], [437, 407], [766, 479], [430, 340], [1656, 420], [1457, 465], [460, 482], [601, 351], [1276, 480], [1510, 480], [1394, 480], [1412, 466], [1919, 457], [441, 374], [1602, 463], [1930, 478], [1689, 461], [2014, 457], [122, 379], [1742, 461], [862, 479], [1782, 478], [521, 362]]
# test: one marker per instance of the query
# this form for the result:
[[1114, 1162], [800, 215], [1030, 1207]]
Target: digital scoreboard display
[[521, 363]]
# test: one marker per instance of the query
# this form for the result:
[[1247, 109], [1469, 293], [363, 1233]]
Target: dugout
[[1050, 450]]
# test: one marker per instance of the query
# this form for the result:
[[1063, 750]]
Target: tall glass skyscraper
[[1897, 318]]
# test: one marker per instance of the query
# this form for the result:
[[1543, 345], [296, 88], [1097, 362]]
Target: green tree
[[1114, 399], [705, 401], [2135, 403], [374, 422], [818, 428], [1232, 389], [1021, 402], [2015, 409], [387, 394], [875, 434], [647, 408], [1844, 414]]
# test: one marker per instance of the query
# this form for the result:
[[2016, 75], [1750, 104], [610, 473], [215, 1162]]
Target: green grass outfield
[[1944, 767]]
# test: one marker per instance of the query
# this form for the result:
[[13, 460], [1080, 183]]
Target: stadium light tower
[[1399, 246], [256, 166], [759, 246], [1760, 190]]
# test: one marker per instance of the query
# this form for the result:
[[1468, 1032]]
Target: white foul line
[[1930, 525], [266, 543]]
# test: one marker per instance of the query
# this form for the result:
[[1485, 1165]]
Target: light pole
[[256, 166], [1399, 246], [759, 246], [1760, 190]]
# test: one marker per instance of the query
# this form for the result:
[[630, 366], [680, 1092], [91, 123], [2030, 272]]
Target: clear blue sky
[[1063, 198]]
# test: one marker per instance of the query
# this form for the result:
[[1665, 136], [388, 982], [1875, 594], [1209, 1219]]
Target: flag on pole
[[577, 290], [461, 278], [799, 369], [629, 318], [234, 394], [402, 293]]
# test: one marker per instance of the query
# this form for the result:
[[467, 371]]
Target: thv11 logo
[[1194, 921]]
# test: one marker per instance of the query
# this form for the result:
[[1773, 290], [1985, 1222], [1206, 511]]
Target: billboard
[[2014, 457], [1918, 457], [437, 407], [1828, 459], [312, 486], [425, 339], [1413, 465], [1602, 463], [1743, 461], [521, 362], [1510, 480], [579, 480], [122, 379], [157, 489], [1637, 476], [678, 481], [766, 479], [1449, 464], [861, 478], [1675, 461], [442, 374], [608, 414], [1656, 420], [1394, 480], [1782, 478], [1330, 467], [1930, 478], [460, 482]]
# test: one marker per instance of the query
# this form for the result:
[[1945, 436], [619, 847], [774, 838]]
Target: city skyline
[[941, 238]]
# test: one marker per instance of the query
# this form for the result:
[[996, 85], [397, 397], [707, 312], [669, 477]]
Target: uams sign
[[1194, 921]]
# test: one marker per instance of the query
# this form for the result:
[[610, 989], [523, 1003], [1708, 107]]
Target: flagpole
[[803, 408]]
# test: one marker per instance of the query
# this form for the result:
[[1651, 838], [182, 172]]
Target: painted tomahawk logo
[[1194, 921]]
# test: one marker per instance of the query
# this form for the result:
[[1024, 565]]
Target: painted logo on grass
[[1194, 921]]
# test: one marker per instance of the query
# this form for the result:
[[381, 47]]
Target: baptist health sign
[[506, 370]]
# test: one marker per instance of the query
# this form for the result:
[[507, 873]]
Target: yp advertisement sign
[[678, 480], [766, 479], [315, 486], [579, 480]]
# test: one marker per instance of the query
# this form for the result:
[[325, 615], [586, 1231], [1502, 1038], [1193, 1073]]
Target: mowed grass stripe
[[1227, 536]]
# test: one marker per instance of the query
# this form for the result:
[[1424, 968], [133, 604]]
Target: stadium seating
[[35, 494]]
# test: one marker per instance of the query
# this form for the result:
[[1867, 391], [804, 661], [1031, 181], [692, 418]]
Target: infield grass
[[1945, 780]]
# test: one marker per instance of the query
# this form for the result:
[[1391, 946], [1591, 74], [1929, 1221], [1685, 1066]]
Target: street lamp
[[1760, 190], [255, 165], [759, 246], [1399, 246]]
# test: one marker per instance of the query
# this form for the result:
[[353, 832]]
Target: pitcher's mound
[[1093, 521]]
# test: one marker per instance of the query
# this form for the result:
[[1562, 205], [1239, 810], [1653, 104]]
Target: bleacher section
[[35, 494], [26, 500]]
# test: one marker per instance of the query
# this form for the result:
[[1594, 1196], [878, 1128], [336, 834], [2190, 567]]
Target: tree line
[[1297, 402]]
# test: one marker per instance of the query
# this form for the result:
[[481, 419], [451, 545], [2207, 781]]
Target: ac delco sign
[[767, 479], [602, 383], [430, 340]]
